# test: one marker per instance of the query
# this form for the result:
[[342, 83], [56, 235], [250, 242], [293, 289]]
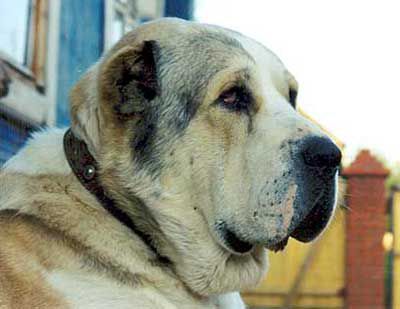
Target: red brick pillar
[[365, 227]]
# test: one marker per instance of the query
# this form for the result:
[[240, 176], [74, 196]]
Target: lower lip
[[278, 246], [235, 244], [241, 247]]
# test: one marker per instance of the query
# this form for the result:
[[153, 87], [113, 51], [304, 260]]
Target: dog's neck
[[85, 168]]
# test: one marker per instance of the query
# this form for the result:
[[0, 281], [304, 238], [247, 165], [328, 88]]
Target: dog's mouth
[[233, 242], [239, 246], [315, 221], [278, 246], [311, 225], [307, 230]]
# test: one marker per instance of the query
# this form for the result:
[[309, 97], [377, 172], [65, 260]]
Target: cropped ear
[[128, 80]]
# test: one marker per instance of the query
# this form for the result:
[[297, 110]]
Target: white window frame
[[32, 98], [145, 8]]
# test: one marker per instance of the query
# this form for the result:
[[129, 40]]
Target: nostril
[[321, 152]]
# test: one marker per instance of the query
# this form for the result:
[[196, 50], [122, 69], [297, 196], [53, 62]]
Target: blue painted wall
[[13, 135], [179, 8], [81, 44]]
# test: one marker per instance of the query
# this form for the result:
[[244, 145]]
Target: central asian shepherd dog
[[186, 161]]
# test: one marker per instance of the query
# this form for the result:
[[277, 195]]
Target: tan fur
[[49, 228], [21, 266]]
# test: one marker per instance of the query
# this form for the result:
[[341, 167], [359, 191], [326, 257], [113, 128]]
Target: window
[[117, 27], [28, 51], [23, 36], [123, 15], [14, 34]]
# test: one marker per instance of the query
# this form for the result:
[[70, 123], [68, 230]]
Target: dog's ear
[[124, 83], [128, 80], [85, 113]]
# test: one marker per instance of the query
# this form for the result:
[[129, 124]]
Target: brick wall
[[365, 226]]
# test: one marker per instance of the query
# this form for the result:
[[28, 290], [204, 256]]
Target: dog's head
[[199, 123]]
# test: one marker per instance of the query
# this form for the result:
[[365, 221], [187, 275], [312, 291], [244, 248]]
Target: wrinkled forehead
[[207, 50], [204, 53], [195, 52], [267, 65]]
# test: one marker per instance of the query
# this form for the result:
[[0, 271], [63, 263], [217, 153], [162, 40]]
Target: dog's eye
[[236, 99], [292, 97]]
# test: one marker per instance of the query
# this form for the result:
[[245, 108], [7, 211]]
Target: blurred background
[[346, 58]]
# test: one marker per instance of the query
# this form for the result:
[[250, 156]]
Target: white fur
[[231, 300], [88, 291], [43, 154]]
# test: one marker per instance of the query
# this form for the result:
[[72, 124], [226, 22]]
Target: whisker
[[343, 206]]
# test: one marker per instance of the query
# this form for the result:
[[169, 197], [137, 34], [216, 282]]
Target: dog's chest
[[95, 291]]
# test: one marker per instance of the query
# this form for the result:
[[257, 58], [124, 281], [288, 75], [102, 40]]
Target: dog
[[186, 161]]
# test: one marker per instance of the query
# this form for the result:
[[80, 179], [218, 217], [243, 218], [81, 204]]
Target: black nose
[[321, 152]]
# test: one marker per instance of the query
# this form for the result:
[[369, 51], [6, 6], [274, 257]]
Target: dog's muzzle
[[315, 162]]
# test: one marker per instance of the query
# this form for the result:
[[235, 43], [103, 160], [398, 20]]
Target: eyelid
[[236, 79], [244, 97], [228, 86]]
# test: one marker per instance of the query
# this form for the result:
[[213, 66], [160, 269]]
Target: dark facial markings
[[182, 72], [191, 64], [137, 82], [292, 97]]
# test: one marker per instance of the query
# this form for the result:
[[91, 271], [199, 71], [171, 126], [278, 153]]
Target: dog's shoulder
[[22, 268], [36, 272]]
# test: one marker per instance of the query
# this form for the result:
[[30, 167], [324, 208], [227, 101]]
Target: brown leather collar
[[85, 168]]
